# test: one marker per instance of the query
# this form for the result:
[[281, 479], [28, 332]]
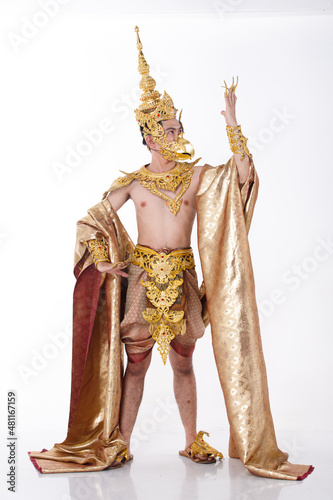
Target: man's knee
[[181, 365], [138, 365]]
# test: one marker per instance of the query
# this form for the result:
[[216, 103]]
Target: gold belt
[[165, 271]]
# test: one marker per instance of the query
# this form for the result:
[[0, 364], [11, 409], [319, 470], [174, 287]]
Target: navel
[[185, 202], [143, 203]]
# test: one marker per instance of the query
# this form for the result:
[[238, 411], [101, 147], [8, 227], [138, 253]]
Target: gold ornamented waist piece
[[164, 287]]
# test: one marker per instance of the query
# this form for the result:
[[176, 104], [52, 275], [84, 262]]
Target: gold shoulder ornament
[[119, 183]]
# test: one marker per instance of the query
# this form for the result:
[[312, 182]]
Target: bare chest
[[151, 199]]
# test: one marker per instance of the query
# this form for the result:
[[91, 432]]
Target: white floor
[[158, 472]]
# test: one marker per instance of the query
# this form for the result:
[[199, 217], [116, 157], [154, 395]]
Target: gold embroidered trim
[[98, 251], [163, 288], [180, 174], [238, 143]]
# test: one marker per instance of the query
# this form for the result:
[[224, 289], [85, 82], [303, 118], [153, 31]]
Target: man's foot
[[198, 458], [121, 461], [200, 452]]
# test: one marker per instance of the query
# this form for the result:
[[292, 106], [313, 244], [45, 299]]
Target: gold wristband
[[237, 141], [98, 251]]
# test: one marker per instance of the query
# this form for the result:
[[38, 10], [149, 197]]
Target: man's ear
[[149, 140]]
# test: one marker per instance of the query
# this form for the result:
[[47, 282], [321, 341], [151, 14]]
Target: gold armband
[[98, 251], [237, 141]]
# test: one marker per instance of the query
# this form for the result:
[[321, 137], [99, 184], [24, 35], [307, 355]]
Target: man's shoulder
[[121, 181], [198, 169], [201, 166]]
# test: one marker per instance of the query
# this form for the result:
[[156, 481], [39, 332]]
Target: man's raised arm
[[243, 157]]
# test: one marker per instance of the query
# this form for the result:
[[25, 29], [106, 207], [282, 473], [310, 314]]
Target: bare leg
[[186, 396], [185, 393], [131, 396]]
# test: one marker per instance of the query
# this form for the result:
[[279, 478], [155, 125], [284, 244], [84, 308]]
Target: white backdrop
[[64, 76]]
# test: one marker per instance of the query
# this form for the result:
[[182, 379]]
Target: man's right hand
[[107, 267]]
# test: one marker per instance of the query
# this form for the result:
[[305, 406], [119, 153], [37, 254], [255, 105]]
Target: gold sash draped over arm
[[93, 440], [224, 217]]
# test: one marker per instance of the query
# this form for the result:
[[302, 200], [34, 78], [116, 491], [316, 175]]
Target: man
[[163, 301], [159, 228]]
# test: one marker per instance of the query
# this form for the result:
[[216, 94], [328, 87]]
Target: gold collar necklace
[[181, 173]]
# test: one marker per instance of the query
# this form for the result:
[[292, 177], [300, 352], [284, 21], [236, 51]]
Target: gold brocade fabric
[[163, 289], [224, 217], [93, 440]]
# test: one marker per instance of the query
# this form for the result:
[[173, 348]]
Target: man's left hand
[[230, 108]]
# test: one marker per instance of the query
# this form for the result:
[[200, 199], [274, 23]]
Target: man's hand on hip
[[107, 267]]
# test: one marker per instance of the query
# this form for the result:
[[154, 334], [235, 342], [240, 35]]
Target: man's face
[[179, 149], [172, 129]]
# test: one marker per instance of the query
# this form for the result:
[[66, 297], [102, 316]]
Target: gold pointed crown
[[153, 108]]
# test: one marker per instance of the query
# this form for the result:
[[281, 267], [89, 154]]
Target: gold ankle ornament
[[205, 450]]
